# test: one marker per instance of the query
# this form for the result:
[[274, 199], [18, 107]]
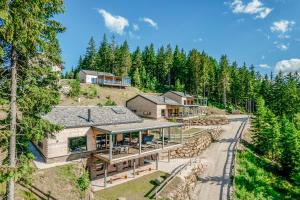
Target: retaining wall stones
[[186, 188], [194, 146]]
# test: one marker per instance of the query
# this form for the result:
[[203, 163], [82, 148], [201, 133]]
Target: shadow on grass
[[151, 193], [258, 176]]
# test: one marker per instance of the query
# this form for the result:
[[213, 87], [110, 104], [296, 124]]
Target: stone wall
[[185, 190], [194, 146]]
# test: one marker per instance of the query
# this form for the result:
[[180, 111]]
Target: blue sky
[[260, 32]]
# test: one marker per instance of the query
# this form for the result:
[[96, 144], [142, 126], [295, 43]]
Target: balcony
[[117, 143]]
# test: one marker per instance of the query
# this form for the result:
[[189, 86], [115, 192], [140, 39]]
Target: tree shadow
[[150, 194]]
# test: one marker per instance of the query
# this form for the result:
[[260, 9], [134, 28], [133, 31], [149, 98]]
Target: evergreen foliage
[[29, 50]]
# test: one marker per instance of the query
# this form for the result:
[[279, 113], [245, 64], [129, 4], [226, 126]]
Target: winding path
[[214, 183]]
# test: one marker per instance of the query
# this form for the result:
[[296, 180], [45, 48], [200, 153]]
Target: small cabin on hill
[[104, 78]]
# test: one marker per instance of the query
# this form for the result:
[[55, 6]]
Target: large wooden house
[[113, 136]]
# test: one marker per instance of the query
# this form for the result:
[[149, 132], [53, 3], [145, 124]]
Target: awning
[[133, 127]]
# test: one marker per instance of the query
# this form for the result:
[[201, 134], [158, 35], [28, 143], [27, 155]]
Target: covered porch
[[185, 111], [126, 146]]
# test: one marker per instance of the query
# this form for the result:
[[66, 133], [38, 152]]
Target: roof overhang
[[133, 127]]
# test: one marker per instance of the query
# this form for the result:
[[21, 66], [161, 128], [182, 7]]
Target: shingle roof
[[182, 94], [77, 116], [160, 100], [96, 73]]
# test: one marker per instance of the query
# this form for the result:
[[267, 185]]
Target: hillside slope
[[118, 95]]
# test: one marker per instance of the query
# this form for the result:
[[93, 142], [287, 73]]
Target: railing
[[114, 82], [170, 178]]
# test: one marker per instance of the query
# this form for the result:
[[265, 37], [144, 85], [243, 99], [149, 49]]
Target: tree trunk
[[13, 123], [224, 94]]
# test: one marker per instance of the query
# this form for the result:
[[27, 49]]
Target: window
[[94, 80], [184, 102], [77, 144], [147, 113], [40, 144], [163, 112]]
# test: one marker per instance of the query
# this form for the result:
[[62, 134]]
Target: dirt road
[[214, 182]]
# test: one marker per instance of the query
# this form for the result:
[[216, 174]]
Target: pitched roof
[[96, 73], [182, 94], [159, 100], [77, 116]]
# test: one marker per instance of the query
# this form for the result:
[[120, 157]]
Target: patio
[[123, 141]]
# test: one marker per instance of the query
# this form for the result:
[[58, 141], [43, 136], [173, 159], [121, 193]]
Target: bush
[[75, 88], [91, 92], [109, 102], [83, 181]]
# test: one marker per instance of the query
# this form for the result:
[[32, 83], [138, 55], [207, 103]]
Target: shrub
[[109, 102], [83, 181], [75, 88], [91, 92]]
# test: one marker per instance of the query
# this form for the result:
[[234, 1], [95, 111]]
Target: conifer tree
[[123, 60], [224, 78], [90, 58], [30, 59], [289, 147]]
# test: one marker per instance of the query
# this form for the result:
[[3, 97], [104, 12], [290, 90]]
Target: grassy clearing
[[137, 189], [257, 179], [58, 182]]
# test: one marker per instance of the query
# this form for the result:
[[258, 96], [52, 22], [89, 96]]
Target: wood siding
[[140, 106], [58, 145]]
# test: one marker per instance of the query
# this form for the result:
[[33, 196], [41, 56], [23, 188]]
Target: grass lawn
[[257, 179], [137, 189]]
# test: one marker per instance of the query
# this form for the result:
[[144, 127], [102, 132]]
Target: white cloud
[[114, 23], [286, 66], [254, 7], [264, 65], [198, 40], [282, 26], [135, 27], [151, 22], [283, 47]]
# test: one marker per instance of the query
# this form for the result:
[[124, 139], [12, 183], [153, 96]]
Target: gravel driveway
[[215, 181]]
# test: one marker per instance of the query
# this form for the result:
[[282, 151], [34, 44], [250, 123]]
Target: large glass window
[[77, 144]]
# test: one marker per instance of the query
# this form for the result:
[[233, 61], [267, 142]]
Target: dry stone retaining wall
[[184, 190], [194, 146]]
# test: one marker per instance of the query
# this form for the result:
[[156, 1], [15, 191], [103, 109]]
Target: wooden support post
[[181, 136], [110, 146], [156, 166], [169, 134], [163, 137], [105, 174], [140, 142], [133, 168]]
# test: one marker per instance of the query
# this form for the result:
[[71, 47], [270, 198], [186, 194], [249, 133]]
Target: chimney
[[165, 99], [89, 115]]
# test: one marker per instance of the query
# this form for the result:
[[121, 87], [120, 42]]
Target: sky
[[264, 33]]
